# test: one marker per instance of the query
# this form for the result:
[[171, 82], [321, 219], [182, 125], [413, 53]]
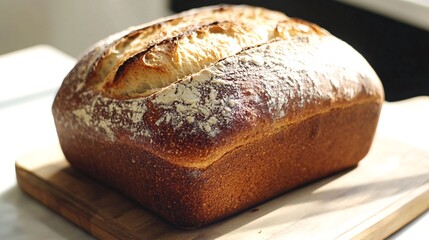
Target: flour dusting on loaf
[[198, 78], [205, 113]]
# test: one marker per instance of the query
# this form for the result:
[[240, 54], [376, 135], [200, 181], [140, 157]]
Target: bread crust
[[208, 144]]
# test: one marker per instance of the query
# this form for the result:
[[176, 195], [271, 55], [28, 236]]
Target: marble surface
[[27, 124]]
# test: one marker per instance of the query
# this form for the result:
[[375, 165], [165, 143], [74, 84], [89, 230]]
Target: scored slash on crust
[[135, 68]]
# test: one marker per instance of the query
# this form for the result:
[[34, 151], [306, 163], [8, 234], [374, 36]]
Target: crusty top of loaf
[[192, 87]]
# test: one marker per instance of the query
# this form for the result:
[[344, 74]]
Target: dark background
[[398, 52]]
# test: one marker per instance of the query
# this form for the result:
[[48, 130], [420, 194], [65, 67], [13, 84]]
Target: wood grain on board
[[389, 188]]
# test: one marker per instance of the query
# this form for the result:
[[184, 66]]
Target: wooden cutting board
[[389, 188]]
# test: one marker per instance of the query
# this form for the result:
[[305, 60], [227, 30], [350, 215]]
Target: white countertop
[[30, 78], [412, 12]]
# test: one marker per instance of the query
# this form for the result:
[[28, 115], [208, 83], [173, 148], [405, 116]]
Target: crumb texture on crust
[[193, 87]]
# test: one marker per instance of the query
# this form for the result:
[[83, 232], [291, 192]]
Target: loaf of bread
[[209, 112]]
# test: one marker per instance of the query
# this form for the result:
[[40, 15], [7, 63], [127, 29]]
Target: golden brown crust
[[197, 120], [191, 197], [155, 95]]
